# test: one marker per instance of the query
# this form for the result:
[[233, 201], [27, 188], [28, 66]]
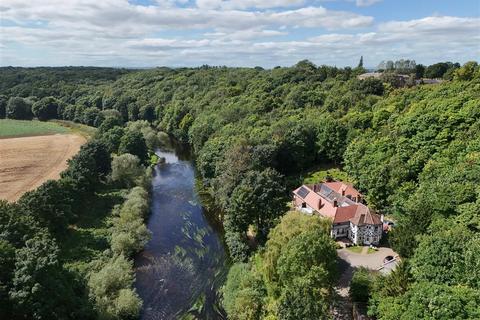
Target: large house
[[341, 203]]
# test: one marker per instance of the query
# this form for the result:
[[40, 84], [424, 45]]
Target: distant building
[[398, 80], [341, 203], [376, 75]]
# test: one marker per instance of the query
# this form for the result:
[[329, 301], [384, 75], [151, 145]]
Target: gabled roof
[[343, 188], [327, 199], [363, 216], [344, 214]]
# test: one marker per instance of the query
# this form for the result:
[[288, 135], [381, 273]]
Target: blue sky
[[148, 33]]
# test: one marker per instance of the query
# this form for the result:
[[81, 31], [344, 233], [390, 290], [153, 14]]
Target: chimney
[[381, 217], [319, 203], [335, 202]]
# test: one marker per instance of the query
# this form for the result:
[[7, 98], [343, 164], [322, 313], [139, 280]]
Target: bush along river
[[180, 271]]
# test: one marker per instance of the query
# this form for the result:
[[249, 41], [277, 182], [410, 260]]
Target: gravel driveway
[[348, 261], [371, 261]]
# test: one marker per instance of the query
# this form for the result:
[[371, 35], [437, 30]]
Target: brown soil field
[[27, 162]]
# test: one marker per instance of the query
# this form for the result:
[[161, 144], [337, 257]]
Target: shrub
[[129, 233], [110, 287], [127, 304]]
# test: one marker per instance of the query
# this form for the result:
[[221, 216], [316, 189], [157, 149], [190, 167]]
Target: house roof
[[327, 199], [363, 216], [343, 188]]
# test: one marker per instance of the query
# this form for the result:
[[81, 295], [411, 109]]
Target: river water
[[184, 264]]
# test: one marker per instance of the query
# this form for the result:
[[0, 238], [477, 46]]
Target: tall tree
[[360, 63]]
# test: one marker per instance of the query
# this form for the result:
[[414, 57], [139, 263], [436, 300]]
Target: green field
[[22, 128]]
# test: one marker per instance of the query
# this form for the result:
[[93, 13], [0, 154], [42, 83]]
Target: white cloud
[[246, 4], [366, 3], [116, 32], [117, 13]]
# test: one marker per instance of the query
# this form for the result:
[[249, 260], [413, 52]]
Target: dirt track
[[27, 162]]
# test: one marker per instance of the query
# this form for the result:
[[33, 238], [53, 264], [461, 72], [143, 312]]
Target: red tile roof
[[326, 194], [343, 188], [365, 216]]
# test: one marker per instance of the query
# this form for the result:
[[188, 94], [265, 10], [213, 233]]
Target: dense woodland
[[415, 153]]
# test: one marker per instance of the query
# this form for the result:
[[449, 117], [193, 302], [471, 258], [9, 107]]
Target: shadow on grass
[[88, 237]]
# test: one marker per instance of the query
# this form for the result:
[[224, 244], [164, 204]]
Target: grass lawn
[[77, 128], [359, 249], [21, 128], [356, 249], [320, 174]]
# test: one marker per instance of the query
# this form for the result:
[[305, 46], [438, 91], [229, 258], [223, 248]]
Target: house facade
[[343, 204]]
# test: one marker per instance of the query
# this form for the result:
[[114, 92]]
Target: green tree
[[439, 257], [112, 138], [90, 116], [331, 139], [432, 301], [46, 108], [126, 169], [308, 297], [361, 286], [291, 225], [110, 288], [50, 204], [305, 251], [147, 112], [40, 289], [258, 200], [360, 63], [243, 293], [7, 266], [468, 71], [133, 142], [19, 108], [109, 123], [3, 106], [88, 167]]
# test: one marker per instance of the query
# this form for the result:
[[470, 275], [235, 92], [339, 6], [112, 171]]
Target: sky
[[149, 33]]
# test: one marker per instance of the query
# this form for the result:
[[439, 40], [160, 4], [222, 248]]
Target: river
[[185, 262]]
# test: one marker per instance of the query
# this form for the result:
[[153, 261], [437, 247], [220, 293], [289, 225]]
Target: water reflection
[[179, 272]]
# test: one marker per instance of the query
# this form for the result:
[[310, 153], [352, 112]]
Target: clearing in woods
[[27, 162]]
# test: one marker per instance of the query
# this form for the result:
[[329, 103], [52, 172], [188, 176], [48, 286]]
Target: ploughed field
[[27, 162]]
